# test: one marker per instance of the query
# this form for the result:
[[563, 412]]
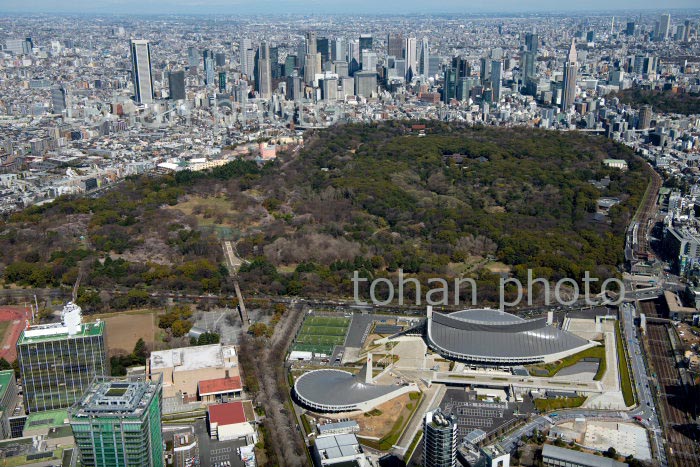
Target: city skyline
[[364, 7]]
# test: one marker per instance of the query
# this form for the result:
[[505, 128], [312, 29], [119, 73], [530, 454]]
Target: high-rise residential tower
[[117, 422], [570, 71], [141, 71], [58, 362], [439, 440]]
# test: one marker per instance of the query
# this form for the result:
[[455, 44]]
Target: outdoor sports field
[[320, 334]]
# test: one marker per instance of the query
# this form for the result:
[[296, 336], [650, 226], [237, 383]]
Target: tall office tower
[[630, 28], [176, 85], [366, 84], [290, 63], [220, 59], [58, 362], [496, 78], [311, 44], [686, 31], [222, 82], [117, 423], [664, 28], [680, 33], [400, 66], [340, 68], [58, 99], [27, 46], [485, 72], [411, 58], [528, 66], [263, 81], [249, 68], [275, 66], [570, 70], [449, 91], [461, 66], [531, 42], [369, 61], [365, 42], [394, 45], [312, 67], [244, 45], [434, 65], [590, 36], [353, 56], [644, 117], [439, 440], [192, 56], [209, 71], [323, 46], [329, 89], [141, 71], [295, 88], [424, 58], [15, 46], [465, 86], [338, 52]]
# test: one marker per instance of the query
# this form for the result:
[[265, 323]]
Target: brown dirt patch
[[123, 330]]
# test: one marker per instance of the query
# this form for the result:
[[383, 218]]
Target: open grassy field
[[123, 330]]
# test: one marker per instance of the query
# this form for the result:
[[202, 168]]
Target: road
[[646, 408], [531, 382]]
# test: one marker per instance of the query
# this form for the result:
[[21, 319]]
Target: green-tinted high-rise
[[58, 362], [117, 423]]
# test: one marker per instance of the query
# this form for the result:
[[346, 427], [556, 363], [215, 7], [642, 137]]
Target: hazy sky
[[332, 6]]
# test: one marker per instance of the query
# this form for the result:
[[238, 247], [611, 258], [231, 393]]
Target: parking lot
[[218, 321], [215, 453]]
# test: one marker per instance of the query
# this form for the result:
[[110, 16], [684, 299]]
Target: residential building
[[439, 440]]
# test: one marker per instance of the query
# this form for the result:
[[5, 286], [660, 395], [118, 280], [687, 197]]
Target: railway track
[[673, 400], [646, 214]]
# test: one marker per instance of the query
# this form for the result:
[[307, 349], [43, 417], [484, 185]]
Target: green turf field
[[320, 334]]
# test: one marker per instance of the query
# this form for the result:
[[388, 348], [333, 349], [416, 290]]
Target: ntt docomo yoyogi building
[[494, 337]]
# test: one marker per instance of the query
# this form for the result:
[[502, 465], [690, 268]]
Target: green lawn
[[625, 379], [412, 446], [3, 327], [551, 369], [546, 405]]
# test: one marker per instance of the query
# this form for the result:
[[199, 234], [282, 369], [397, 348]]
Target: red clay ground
[[16, 316]]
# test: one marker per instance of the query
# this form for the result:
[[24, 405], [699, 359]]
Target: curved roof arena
[[340, 391], [494, 336]]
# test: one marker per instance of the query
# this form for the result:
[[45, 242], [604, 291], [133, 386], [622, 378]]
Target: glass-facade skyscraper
[[57, 362], [117, 422]]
